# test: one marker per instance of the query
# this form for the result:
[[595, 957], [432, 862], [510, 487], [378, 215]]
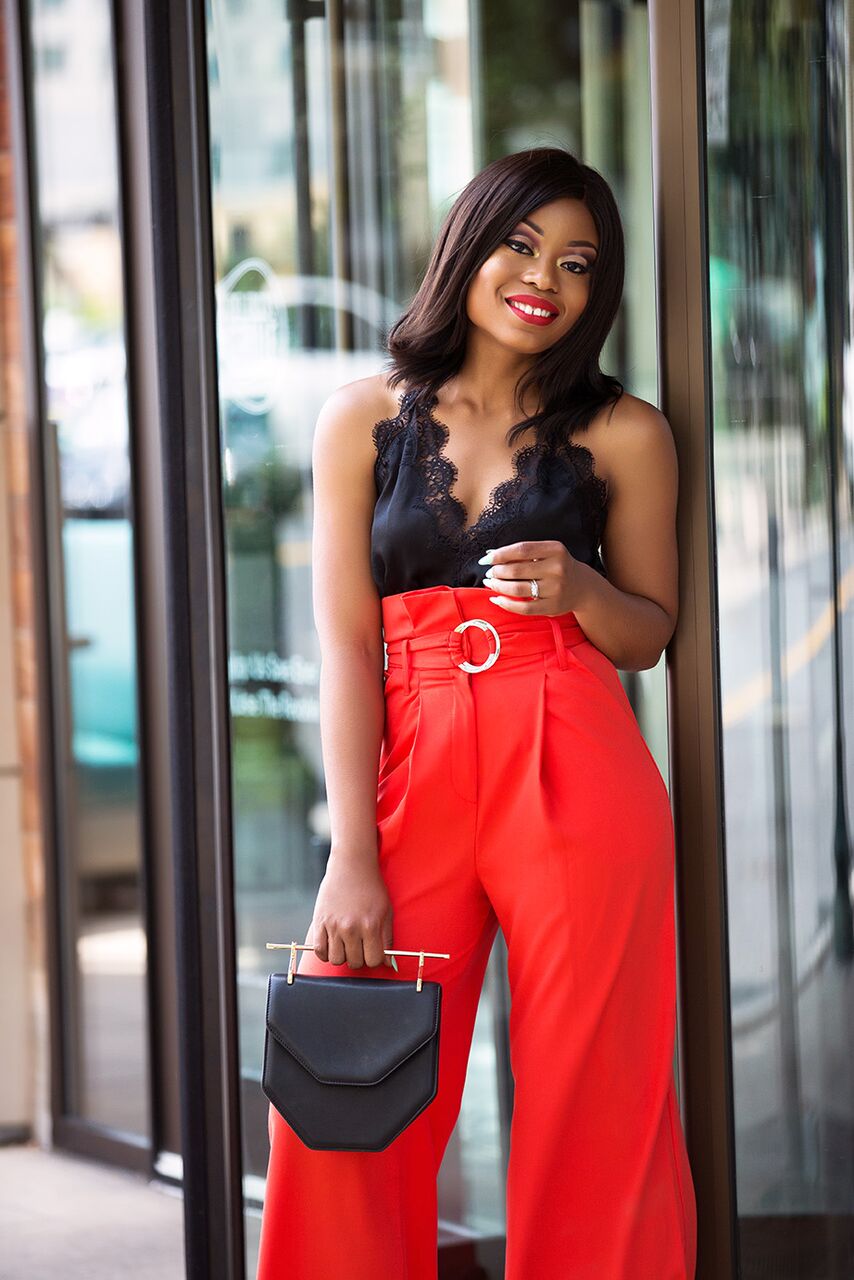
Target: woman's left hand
[[561, 578]]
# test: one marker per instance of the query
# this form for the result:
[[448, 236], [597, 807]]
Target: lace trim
[[591, 490], [441, 474], [384, 432], [530, 470]]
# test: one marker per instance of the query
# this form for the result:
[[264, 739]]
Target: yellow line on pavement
[[739, 704]]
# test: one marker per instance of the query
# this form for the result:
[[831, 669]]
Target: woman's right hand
[[352, 918]]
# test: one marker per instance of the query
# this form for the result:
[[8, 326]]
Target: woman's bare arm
[[631, 615], [352, 915]]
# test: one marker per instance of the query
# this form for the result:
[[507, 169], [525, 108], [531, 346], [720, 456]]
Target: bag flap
[[351, 1030]]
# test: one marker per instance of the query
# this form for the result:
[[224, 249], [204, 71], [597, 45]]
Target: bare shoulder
[[632, 440], [346, 604], [349, 413], [344, 452], [631, 416]]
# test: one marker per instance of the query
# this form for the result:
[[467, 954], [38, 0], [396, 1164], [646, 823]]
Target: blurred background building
[[208, 214]]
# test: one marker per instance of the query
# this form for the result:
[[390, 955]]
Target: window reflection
[[777, 85], [337, 144], [86, 438]]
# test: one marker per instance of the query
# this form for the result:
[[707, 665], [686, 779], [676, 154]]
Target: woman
[[516, 791]]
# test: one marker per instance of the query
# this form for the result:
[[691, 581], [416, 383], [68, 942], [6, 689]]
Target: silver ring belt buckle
[[484, 626]]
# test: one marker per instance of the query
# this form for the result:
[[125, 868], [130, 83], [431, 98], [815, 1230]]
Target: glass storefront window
[[87, 444], [338, 141], [779, 198]]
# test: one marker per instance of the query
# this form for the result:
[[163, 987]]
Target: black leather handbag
[[350, 1062]]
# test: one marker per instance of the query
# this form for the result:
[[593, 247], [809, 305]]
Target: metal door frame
[[693, 675]]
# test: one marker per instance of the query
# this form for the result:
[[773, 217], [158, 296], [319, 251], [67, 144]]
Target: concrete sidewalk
[[61, 1216]]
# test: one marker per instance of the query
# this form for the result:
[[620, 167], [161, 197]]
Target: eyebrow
[[570, 243]]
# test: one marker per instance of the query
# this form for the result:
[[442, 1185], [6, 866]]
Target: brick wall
[[23, 1003]]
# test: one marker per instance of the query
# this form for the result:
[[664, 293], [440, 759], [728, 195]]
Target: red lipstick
[[529, 300]]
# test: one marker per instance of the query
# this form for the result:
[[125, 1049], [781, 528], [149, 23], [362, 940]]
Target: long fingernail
[[486, 558]]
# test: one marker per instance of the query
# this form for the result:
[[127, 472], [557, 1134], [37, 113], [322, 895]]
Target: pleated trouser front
[[524, 797]]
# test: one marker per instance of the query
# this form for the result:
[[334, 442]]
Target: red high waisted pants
[[522, 795]]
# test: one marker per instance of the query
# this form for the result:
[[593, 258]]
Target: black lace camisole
[[419, 533]]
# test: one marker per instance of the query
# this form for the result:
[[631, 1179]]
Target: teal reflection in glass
[[778, 142], [337, 145]]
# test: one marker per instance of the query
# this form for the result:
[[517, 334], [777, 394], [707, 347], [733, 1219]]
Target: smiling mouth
[[532, 315]]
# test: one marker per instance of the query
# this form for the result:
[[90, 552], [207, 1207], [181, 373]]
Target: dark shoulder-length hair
[[427, 343]]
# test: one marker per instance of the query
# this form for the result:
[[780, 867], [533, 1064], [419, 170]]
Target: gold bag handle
[[294, 947]]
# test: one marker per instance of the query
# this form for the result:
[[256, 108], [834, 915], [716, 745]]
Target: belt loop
[[464, 646], [457, 605], [404, 651], [560, 643]]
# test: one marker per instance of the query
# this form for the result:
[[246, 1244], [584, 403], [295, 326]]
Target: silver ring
[[535, 588], [484, 626]]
